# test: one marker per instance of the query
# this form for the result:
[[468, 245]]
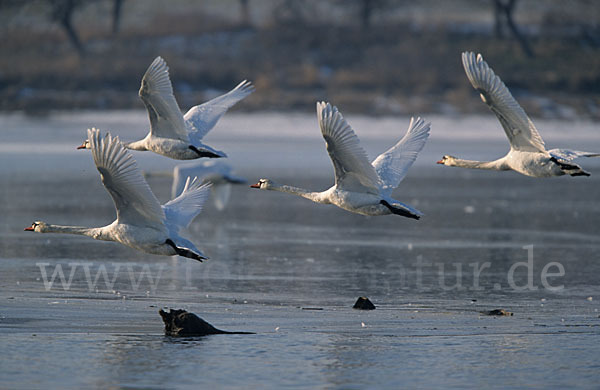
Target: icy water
[[77, 313]]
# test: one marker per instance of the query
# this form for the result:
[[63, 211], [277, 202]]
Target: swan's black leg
[[204, 154], [399, 211], [582, 173], [570, 167], [564, 166], [184, 252]]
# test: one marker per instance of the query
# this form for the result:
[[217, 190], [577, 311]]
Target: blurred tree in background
[[372, 56], [503, 15]]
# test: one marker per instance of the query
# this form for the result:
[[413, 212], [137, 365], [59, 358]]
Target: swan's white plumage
[[358, 187], [171, 134], [156, 92], [353, 172], [202, 118], [134, 201], [393, 165], [141, 222], [519, 129], [569, 155], [527, 154], [218, 173], [180, 211]]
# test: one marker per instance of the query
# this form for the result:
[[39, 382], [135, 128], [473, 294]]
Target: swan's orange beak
[[257, 185], [440, 162], [28, 229], [82, 146]]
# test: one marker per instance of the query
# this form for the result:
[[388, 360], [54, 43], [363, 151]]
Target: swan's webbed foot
[[581, 173], [570, 167], [184, 251], [399, 211], [204, 153]]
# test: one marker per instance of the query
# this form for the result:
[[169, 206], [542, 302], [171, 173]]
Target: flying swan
[[218, 173], [361, 187], [527, 154], [142, 223], [172, 134]]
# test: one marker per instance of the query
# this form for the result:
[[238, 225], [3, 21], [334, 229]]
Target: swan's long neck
[[83, 231], [498, 165], [310, 195], [136, 145]]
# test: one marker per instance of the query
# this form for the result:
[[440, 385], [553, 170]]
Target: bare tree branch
[[62, 12], [116, 15], [507, 8]]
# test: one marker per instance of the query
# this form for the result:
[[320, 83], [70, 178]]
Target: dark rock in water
[[181, 323], [497, 312], [363, 303]]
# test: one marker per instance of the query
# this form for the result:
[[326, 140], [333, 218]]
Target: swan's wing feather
[[156, 92], [353, 172], [181, 211], [393, 165], [569, 155], [519, 129], [202, 118], [134, 201]]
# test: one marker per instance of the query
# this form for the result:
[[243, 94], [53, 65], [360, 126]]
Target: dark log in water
[[181, 323], [497, 312], [363, 303]]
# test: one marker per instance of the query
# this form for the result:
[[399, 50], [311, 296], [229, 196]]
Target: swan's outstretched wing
[[181, 211], [568, 155], [134, 201], [393, 165], [519, 129], [353, 172], [202, 118], [157, 94]]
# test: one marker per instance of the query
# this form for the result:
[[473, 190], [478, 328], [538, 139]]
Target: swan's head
[[448, 160], [263, 184], [85, 145], [37, 226]]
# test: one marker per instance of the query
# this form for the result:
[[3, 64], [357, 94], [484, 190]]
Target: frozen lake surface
[[290, 270]]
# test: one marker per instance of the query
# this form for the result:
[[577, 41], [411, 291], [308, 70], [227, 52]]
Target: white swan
[[172, 134], [527, 154], [361, 187], [218, 173], [142, 223]]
